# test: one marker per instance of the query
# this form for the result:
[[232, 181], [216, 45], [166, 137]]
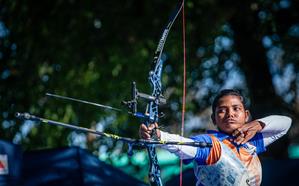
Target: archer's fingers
[[238, 132], [144, 132], [152, 126], [143, 127], [240, 137], [247, 137], [145, 135]]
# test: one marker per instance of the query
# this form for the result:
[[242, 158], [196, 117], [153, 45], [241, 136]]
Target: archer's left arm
[[183, 151]]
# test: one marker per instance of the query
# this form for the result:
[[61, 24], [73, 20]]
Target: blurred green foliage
[[93, 50]]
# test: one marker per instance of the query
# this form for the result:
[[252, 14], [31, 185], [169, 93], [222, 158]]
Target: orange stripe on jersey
[[215, 152]]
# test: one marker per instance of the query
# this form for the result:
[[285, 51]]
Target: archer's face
[[230, 114]]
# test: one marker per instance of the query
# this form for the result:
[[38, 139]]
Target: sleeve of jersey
[[258, 142], [203, 154], [188, 153], [275, 127]]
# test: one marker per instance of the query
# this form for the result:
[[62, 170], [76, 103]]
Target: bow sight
[[132, 104]]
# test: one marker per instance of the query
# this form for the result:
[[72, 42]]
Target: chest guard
[[227, 171]]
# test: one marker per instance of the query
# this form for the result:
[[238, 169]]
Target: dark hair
[[228, 92]]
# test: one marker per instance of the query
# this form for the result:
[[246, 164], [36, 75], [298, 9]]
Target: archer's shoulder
[[202, 138]]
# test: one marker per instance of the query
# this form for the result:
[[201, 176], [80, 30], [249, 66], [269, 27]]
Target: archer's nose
[[230, 113]]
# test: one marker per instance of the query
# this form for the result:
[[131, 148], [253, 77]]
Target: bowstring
[[184, 87]]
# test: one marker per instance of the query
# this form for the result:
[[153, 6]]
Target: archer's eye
[[237, 108], [221, 110]]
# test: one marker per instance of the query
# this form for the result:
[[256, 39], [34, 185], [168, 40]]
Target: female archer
[[233, 157]]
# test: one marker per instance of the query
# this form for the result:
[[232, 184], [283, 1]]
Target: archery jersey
[[227, 163]]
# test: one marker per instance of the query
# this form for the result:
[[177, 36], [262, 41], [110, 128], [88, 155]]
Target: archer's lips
[[229, 121]]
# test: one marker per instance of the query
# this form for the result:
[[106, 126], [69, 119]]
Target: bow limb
[[153, 106]]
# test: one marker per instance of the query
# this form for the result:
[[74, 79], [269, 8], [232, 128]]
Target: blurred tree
[[93, 50]]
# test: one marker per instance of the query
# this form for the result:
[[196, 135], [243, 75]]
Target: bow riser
[[151, 114]]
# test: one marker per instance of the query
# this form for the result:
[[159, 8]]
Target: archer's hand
[[247, 131], [146, 132]]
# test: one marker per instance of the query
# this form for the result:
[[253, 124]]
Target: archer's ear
[[248, 116], [213, 118]]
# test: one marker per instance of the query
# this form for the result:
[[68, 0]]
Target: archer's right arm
[[275, 127]]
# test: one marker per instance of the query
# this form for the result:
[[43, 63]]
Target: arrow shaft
[[139, 142]]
